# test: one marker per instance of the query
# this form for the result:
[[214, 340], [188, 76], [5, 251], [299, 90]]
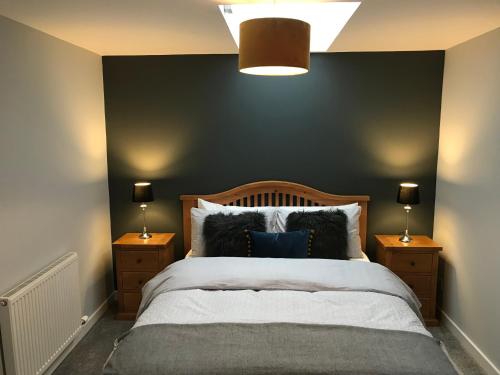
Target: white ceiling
[[153, 27]]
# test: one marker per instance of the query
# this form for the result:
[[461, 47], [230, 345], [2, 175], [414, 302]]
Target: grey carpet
[[90, 354], [463, 360]]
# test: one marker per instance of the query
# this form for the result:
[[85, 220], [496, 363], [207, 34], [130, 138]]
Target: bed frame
[[273, 193]]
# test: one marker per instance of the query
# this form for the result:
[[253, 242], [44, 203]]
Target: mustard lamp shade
[[274, 46]]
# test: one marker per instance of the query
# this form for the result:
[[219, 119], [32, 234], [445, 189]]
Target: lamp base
[[145, 236], [405, 238]]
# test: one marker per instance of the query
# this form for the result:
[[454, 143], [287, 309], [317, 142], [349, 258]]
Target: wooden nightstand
[[136, 262], [417, 264]]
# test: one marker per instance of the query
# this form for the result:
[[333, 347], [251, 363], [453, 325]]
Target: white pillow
[[198, 216], [352, 212], [206, 205], [268, 211]]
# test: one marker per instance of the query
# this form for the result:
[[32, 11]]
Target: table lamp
[[143, 192], [408, 195]]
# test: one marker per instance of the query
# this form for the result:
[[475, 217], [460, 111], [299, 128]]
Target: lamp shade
[[143, 192], [408, 193], [274, 46]]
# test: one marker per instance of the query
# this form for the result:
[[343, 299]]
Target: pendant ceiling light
[[274, 46]]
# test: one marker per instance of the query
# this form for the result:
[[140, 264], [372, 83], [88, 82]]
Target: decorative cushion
[[330, 232], [224, 233], [353, 211], [279, 245]]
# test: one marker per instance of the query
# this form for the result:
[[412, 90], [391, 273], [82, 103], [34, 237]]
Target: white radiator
[[40, 317]]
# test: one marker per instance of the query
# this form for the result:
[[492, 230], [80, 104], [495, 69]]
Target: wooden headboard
[[273, 193]]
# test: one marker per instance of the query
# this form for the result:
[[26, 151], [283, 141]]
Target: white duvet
[[334, 307], [360, 309]]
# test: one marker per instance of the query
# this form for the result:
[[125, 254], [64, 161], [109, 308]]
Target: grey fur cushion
[[224, 234], [330, 231]]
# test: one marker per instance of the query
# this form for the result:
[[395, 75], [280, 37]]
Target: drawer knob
[[139, 260], [140, 282], [412, 263]]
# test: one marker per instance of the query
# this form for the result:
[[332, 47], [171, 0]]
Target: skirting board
[[93, 319], [469, 345]]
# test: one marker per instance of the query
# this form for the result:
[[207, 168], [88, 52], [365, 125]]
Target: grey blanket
[[278, 348], [309, 275]]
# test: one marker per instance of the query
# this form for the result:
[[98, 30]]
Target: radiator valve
[[84, 319]]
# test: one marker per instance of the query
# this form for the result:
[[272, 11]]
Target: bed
[[237, 315]]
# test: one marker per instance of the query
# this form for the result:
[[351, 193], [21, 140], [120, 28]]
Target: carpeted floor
[[88, 357], [90, 354]]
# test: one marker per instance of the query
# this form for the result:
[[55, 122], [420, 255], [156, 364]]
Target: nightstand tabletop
[[132, 239], [392, 241]]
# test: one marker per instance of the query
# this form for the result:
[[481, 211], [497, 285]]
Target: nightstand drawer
[[135, 280], [137, 260], [411, 262], [426, 307], [131, 301], [421, 285]]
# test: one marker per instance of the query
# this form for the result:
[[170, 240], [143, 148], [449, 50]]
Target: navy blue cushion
[[278, 245]]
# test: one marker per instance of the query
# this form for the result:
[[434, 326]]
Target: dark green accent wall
[[357, 123]]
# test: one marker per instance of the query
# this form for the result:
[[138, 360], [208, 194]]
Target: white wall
[[467, 216], [53, 171]]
